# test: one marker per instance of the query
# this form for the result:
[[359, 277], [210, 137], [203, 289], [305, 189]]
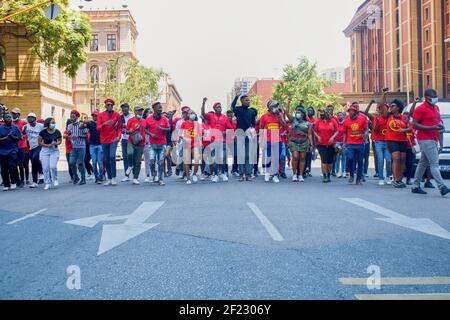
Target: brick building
[[264, 88]]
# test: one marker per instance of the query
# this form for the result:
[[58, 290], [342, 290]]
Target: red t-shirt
[[340, 136], [355, 129], [192, 131], [20, 124], [111, 132], [134, 125], [207, 137], [380, 135], [219, 122], [392, 129], [68, 143], [234, 124], [427, 115], [271, 123], [325, 130], [152, 124]]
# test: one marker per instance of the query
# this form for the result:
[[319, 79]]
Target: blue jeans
[[77, 161], [382, 156], [109, 150], [97, 160], [355, 158], [340, 162], [157, 152], [124, 154], [273, 160], [283, 155], [245, 167]]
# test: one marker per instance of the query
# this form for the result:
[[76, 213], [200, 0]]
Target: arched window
[[2, 63], [94, 73]]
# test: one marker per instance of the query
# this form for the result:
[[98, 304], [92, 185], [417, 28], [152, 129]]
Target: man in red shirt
[[135, 144], [219, 125], [157, 127], [271, 123], [355, 127], [20, 123], [428, 123], [109, 124]]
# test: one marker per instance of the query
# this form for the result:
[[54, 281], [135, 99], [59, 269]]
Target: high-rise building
[[244, 83], [114, 35], [337, 75], [415, 35]]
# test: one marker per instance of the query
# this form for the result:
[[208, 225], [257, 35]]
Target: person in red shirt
[[68, 144], [326, 131], [428, 123], [135, 129], [109, 124], [20, 123], [191, 133], [340, 162], [231, 143], [397, 141], [355, 127], [271, 123], [219, 124], [157, 127]]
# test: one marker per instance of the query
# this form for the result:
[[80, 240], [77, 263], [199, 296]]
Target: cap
[[95, 113], [353, 107], [138, 108], [109, 100], [216, 104], [32, 114], [75, 112], [185, 109], [15, 110], [273, 104]]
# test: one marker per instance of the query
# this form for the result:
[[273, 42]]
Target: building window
[[94, 42], [94, 107], [428, 81], [93, 72], [427, 35], [2, 63], [111, 39], [428, 57], [427, 14]]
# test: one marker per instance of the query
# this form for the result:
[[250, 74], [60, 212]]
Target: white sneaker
[[34, 185], [155, 179], [40, 177], [389, 182], [13, 186], [301, 179], [5, 189], [126, 179], [47, 186], [188, 182], [161, 183], [89, 177], [136, 182], [294, 178], [224, 177], [202, 177], [215, 179], [381, 183], [275, 179], [147, 180], [129, 171], [56, 183], [114, 181], [107, 182], [267, 177], [194, 178]]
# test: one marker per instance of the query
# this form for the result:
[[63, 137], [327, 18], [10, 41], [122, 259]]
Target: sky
[[205, 44]]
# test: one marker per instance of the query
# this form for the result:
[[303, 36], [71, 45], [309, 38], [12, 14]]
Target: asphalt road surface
[[224, 241]]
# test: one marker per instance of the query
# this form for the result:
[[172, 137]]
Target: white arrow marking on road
[[271, 229], [422, 225], [28, 216], [114, 235]]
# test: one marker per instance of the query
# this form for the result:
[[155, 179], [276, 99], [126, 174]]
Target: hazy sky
[[205, 44]]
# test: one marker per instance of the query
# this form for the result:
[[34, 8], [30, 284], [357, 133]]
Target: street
[[230, 240]]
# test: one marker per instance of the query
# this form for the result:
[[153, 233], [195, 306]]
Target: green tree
[[61, 41], [302, 82], [256, 102], [140, 86]]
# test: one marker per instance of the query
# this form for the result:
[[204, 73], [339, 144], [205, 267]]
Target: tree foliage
[[302, 82], [256, 102], [61, 41], [139, 86]]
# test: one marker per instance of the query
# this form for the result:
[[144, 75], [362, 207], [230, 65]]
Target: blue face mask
[[299, 116], [193, 117], [52, 126], [433, 101]]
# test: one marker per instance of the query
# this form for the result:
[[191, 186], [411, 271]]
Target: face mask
[[32, 122], [193, 117], [138, 116], [52, 126], [433, 101], [16, 119], [274, 110], [299, 116]]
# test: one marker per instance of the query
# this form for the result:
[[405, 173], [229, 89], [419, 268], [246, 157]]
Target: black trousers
[[21, 164], [36, 166], [9, 169]]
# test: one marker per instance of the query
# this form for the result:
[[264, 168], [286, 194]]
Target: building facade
[[337, 75], [264, 88], [415, 35], [170, 97], [114, 35], [29, 84]]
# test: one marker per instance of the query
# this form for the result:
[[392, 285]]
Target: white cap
[[31, 114]]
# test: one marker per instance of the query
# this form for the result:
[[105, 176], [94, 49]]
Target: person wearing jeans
[[125, 117], [136, 141], [77, 133], [384, 160], [355, 127], [109, 125], [95, 147], [49, 139], [428, 123], [32, 130], [22, 145]]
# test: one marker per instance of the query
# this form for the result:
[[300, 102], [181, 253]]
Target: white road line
[[425, 296], [271, 229], [398, 281], [28, 216]]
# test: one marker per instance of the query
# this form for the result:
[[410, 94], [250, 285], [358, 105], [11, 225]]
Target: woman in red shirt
[[397, 141], [191, 132], [326, 131]]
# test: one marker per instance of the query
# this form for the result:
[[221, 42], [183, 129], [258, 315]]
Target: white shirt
[[33, 134]]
